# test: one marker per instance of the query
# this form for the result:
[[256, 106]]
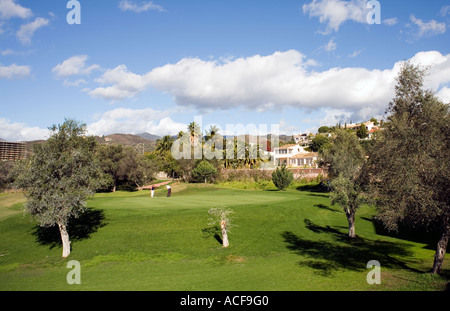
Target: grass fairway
[[289, 240]]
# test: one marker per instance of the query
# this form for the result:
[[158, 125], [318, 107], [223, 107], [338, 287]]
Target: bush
[[282, 178], [203, 171]]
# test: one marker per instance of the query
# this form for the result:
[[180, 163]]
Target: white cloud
[[439, 69], [125, 84], [284, 128], [390, 21], [335, 12], [26, 31], [14, 71], [258, 83], [7, 52], [331, 46], [123, 120], [75, 65], [74, 83], [277, 80], [334, 116], [128, 5], [445, 10], [14, 131], [430, 28], [355, 53], [444, 95], [10, 9]]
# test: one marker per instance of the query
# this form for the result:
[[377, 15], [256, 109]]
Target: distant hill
[[149, 136], [2, 139], [141, 144], [146, 142]]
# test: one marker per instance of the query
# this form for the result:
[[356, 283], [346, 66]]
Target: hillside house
[[303, 139], [369, 126], [295, 156]]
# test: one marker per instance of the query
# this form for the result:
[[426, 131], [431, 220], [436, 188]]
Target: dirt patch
[[236, 259]]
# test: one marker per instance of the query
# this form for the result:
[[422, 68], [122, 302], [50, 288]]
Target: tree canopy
[[409, 167], [60, 176], [345, 159]]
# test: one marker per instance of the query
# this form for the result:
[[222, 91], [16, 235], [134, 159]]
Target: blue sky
[[135, 66]]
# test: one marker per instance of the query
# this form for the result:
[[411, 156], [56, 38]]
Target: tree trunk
[[205, 180], [440, 252], [351, 223], [223, 226], [65, 240]]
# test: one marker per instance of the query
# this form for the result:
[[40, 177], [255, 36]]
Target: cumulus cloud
[[444, 95], [135, 121], [438, 69], [258, 83], [334, 116], [27, 31], [14, 71], [75, 65], [335, 12], [125, 84], [128, 5], [430, 28], [10, 9], [14, 131]]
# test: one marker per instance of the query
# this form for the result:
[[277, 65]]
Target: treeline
[[195, 168], [125, 168], [120, 167]]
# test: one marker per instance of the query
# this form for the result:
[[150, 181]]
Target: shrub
[[204, 170], [282, 178]]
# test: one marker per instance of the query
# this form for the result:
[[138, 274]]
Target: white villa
[[369, 126], [295, 156], [303, 139]]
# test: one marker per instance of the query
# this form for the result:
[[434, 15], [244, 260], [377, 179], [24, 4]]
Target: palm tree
[[212, 132], [194, 131], [164, 144]]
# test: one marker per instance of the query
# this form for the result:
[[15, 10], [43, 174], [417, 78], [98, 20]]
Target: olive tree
[[349, 196], [409, 167], [345, 158], [59, 177]]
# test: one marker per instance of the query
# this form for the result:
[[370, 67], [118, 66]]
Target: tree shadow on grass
[[79, 228], [212, 232], [420, 235], [343, 253], [318, 188]]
